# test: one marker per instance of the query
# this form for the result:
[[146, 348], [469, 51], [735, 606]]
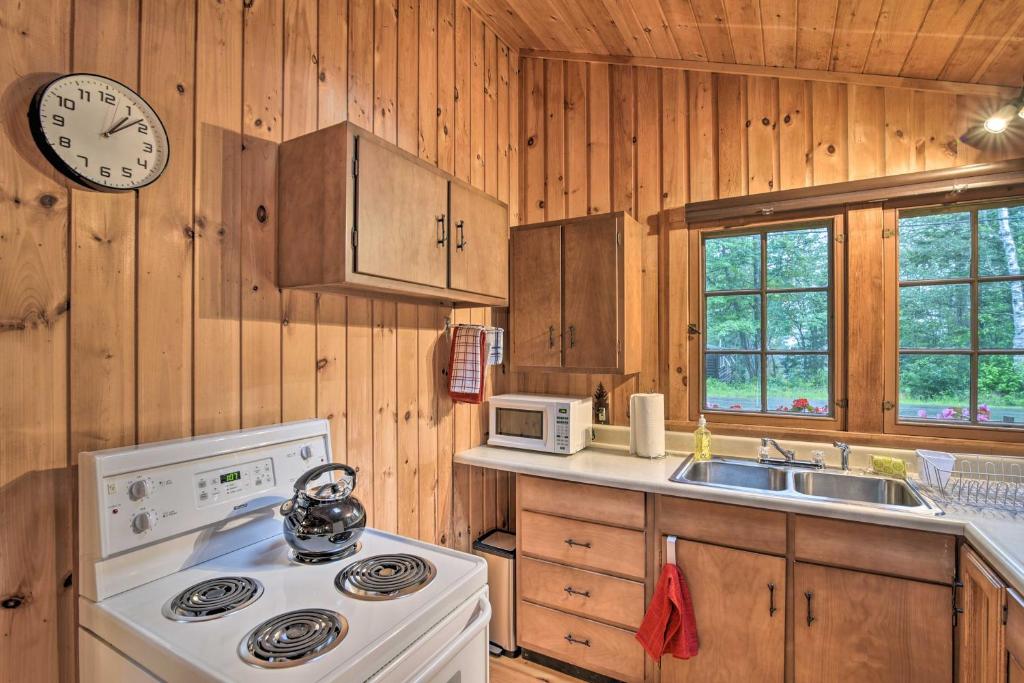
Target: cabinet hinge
[[888, 405], [1006, 612], [887, 233], [618, 238], [355, 237], [843, 403], [355, 167]]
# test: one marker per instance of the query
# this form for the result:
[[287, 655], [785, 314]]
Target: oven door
[[522, 425], [454, 651]]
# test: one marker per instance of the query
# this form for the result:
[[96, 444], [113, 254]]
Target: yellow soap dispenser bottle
[[702, 441]]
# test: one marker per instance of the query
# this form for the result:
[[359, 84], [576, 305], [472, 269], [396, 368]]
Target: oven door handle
[[481, 618]]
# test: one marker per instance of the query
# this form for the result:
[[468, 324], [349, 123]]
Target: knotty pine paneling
[[153, 315], [655, 139]]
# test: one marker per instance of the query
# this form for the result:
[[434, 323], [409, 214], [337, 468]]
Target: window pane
[[734, 322], [732, 263], [935, 387], [798, 258], [798, 321], [1001, 390], [935, 247], [1001, 241], [1001, 315], [798, 384], [935, 317], [732, 381]]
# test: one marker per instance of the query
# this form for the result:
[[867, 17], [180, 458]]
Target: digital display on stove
[[230, 476]]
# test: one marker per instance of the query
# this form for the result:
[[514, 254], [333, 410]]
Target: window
[[961, 316], [768, 312]]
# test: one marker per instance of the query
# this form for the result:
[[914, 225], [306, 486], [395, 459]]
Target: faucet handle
[[840, 444]]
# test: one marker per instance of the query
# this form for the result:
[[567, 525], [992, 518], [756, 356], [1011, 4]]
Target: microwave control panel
[[562, 437]]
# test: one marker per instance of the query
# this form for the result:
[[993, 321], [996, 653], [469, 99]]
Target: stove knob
[[305, 452], [140, 489], [143, 521]]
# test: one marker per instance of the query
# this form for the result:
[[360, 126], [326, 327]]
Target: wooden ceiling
[[965, 41]]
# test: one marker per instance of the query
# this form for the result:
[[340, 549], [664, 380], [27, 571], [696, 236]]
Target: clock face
[[99, 132]]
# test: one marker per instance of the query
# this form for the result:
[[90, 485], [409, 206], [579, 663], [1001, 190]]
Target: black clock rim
[[35, 127]]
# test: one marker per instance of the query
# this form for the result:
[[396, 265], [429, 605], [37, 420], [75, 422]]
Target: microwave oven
[[552, 424]]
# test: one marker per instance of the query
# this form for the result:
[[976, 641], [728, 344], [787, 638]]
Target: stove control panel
[[228, 483], [146, 505]]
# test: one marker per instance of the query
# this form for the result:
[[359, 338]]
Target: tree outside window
[[767, 316], [961, 316]]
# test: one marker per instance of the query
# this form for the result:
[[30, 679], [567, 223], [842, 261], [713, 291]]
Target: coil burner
[[385, 577], [213, 598], [293, 638]]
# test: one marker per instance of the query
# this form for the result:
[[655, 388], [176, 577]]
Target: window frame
[[891, 420], [697, 313]]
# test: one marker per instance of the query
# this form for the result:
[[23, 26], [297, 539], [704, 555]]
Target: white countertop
[[998, 536]]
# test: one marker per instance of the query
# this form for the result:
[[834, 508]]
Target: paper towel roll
[[647, 425]]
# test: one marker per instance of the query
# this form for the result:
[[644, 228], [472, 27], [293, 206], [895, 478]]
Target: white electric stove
[[186, 576]]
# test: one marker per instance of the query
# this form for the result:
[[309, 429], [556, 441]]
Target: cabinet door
[[400, 208], [479, 242], [854, 626], [592, 290], [536, 296], [980, 634], [742, 638]]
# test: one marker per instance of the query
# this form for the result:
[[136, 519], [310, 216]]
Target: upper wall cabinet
[[575, 300], [359, 214]]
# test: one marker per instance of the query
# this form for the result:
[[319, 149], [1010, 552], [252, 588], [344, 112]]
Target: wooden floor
[[505, 670]]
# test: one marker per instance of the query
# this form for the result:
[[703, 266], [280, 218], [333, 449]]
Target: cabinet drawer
[[909, 553], [584, 501], [583, 544], [604, 649], [597, 596], [729, 525]]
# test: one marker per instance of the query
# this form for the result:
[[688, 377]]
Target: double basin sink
[[820, 485]]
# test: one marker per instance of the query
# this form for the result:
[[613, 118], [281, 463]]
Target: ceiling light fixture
[[999, 121], [992, 132]]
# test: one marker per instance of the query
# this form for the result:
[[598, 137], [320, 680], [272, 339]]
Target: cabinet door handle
[[572, 336], [441, 236], [551, 336], [572, 591], [460, 245], [576, 641], [810, 607], [771, 600], [570, 542]]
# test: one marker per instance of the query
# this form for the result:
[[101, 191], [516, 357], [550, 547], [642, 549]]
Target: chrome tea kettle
[[323, 522]]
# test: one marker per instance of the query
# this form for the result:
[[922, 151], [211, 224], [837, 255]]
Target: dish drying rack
[[974, 480]]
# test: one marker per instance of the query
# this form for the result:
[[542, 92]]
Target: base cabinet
[[739, 604], [855, 626], [980, 634]]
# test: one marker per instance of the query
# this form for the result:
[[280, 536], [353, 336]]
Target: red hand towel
[[669, 625]]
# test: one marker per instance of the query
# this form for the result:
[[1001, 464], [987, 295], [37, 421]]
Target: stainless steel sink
[[860, 489], [820, 486], [735, 474]]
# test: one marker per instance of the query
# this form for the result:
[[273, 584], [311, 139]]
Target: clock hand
[[124, 126], [113, 129]]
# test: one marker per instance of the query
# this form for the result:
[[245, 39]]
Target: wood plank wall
[[599, 137], [138, 317]]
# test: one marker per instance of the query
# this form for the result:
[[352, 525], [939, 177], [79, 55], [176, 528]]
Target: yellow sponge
[[890, 467]]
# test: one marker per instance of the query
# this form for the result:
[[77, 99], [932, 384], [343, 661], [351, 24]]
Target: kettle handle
[[303, 481]]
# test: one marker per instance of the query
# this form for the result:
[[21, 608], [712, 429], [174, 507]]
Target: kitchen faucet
[[788, 456], [844, 453]]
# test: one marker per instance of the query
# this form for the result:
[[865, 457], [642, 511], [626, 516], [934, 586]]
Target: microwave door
[[521, 427]]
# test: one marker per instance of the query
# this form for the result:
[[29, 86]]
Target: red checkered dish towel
[[466, 364]]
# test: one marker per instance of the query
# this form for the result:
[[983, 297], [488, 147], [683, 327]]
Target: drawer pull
[[576, 641], [771, 600], [572, 591], [570, 542], [810, 607]]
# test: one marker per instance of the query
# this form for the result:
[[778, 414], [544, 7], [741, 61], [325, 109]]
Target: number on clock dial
[[106, 134]]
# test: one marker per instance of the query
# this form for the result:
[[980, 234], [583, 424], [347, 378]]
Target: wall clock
[[98, 132]]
